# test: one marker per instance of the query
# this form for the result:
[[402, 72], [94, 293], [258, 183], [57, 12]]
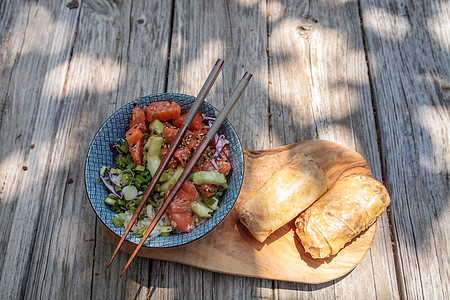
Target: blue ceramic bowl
[[99, 155]]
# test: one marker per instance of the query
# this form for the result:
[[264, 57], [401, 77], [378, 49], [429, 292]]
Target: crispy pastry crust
[[281, 198], [348, 208]]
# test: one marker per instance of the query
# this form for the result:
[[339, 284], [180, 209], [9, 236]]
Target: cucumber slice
[[212, 203], [108, 200], [201, 210], [165, 186], [153, 149], [156, 127], [130, 192], [210, 177]]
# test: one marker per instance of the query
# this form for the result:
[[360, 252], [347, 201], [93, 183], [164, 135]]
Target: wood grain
[[232, 249], [410, 69], [138, 34], [29, 107], [319, 88], [76, 91], [91, 79], [372, 75], [202, 32]]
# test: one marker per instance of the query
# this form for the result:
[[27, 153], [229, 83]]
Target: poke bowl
[[100, 156]]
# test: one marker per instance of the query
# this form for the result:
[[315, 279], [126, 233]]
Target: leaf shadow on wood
[[421, 84], [412, 164]]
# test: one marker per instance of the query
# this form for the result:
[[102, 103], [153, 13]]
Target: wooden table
[[371, 75]]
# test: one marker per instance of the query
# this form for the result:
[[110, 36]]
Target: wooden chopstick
[[209, 136], [178, 137]]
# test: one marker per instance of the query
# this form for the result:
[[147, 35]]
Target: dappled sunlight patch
[[11, 162], [260, 76], [179, 44], [86, 73], [335, 132], [36, 37], [53, 83], [388, 25], [29, 38], [275, 10], [439, 28], [328, 70], [248, 3], [288, 51], [340, 2], [196, 69], [28, 168], [358, 74], [428, 117], [285, 36]]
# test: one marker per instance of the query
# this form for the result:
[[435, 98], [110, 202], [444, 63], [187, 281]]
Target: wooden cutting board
[[231, 249]]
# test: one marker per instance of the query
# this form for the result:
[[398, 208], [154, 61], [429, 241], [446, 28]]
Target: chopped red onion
[[210, 120], [115, 153], [115, 180], [111, 188], [220, 143]]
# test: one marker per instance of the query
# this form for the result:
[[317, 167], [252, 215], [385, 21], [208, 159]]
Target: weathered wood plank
[[30, 104], [203, 32], [62, 263], [320, 89], [235, 32], [143, 72], [66, 237], [13, 21], [409, 43], [11, 41], [98, 70], [148, 51]]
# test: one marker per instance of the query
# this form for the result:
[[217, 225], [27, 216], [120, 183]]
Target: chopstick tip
[[247, 76], [219, 62]]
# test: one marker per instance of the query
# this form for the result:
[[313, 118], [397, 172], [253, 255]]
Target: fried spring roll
[[282, 197], [348, 208]]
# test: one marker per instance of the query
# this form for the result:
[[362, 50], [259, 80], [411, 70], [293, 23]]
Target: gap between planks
[[400, 283]]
